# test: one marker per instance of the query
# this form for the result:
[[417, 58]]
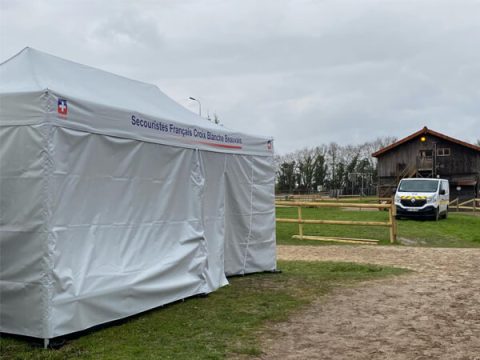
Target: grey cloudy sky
[[305, 72]]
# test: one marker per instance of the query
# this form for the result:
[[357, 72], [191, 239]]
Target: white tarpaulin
[[114, 199]]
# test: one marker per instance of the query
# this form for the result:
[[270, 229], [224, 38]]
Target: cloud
[[306, 72]]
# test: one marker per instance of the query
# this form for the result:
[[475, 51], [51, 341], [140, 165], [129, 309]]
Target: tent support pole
[[46, 342]]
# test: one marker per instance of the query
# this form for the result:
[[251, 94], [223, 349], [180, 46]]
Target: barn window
[[443, 152], [426, 153]]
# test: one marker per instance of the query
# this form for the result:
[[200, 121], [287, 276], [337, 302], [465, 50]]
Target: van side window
[[444, 186]]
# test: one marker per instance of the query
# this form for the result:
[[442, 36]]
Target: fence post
[[300, 225], [394, 223], [474, 205], [457, 204], [390, 218]]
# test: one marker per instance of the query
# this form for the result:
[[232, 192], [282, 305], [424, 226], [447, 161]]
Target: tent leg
[[46, 342], [276, 271]]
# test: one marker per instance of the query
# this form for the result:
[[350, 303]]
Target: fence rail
[[341, 199], [391, 223], [456, 204]]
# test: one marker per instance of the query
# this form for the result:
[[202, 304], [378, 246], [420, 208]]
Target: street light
[[199, 105]]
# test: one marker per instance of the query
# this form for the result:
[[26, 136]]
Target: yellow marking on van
[[416, 197]]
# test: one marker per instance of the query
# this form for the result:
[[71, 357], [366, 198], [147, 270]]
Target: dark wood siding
[[462, 164], [461, 161]]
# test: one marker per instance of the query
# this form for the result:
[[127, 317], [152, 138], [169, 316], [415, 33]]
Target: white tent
[[114, 199]]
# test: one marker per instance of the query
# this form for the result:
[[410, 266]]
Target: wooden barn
[[428, 153]]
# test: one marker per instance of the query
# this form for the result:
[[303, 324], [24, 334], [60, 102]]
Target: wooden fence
[[345, 198], [391, 223], [456, 204]]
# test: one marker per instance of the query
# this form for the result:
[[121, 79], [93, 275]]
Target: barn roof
[[424, 131]]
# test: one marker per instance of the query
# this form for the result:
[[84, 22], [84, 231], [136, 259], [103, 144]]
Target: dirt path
[[433, 313]]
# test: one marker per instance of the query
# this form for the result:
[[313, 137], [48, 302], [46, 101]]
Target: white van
[[420, 197]]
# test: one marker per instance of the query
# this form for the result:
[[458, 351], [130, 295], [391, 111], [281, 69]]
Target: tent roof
[[33, 71]]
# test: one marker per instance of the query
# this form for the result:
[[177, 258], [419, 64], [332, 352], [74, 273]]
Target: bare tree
[[286, 175], [312, 169], [349, 168]]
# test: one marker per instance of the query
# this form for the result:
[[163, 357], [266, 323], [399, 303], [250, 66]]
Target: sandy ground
[[433, 313]]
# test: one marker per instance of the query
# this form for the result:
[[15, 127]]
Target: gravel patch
[[433, 313]]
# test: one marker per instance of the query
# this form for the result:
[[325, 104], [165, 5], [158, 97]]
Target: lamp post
[[199, 105]]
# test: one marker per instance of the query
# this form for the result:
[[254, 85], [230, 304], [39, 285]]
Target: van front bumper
[[428, 210]]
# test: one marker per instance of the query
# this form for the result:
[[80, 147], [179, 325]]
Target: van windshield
[[418, 186]]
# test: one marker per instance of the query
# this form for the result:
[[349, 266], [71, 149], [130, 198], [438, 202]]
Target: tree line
[[342, 169]]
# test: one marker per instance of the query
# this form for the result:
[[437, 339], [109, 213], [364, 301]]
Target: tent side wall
[[250, 244], [24, 221], [213, 167], [96, 228], [139, 225], [239, 208], [128, 228]]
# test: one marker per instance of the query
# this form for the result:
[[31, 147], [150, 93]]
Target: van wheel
[[436, 215]]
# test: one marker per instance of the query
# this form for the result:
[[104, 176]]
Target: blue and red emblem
[[62, 107]]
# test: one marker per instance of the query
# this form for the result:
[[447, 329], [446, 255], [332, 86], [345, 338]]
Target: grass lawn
[[459, 230], [227, 322]]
